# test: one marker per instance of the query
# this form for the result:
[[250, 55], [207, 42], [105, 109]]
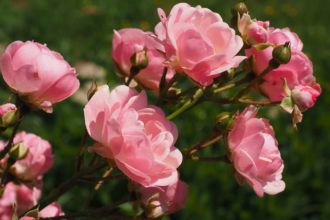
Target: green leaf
[[262, 46]]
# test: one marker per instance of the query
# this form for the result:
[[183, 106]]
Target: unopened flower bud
[[240, 8], [18, 151], [281, 54], [8, 115], [140, 60], [224, 121]]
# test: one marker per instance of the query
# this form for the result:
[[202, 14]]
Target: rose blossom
[[137, 136], [38, 160], [128, 41], [255, 154], [305, 96], [21, 195], [198, 42], [52, 210], [299, 71], [165, 199], [41, 77]]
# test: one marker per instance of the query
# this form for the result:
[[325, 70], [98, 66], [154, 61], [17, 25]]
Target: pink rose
[[38, 160], [137, 136], [299, 71], [128, 41], [198, 42], [253, 31], [40, 76], [8, 114], [49, 211], [305, 96], [164, 200], [255, 154], [281, 36], [21, 195]]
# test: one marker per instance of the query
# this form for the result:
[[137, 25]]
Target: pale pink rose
[[253, 31], [281, 36], [299, 71], [38, 160], [255, 154], [21, 195], [164, 200], [137, 136], [7, 114], [198, 42], [306, 96], [41, 77], [128, 41], [51, 210]]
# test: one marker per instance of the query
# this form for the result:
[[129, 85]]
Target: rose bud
[[8, 115], [164, 200], [38, 160], [306, 96], [39, 76]]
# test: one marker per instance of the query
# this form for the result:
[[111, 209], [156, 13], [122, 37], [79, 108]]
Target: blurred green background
[[82, 31]]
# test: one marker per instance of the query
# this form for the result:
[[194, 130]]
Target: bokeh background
[[82, 31]]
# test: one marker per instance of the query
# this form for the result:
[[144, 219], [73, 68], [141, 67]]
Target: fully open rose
[[137, 136], [254, 153], [198, 42]]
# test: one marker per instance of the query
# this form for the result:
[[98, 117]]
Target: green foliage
[[82, 30]]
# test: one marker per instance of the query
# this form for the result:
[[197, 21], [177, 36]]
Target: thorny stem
[[241, 93], [214, 137], [224, 159], [67, 185], [11, 139], [98, 185], [164, 87], [80, 158], [110, 210], [188, 104]]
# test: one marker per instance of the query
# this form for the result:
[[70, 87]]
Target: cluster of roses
[[137, 137]]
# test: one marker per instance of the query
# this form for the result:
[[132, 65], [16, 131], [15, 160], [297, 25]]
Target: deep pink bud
[[306, 96]]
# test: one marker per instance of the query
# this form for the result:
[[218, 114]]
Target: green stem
[[244, 91], [67, 185], [214, 137], [187, 105], [224, 159]]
